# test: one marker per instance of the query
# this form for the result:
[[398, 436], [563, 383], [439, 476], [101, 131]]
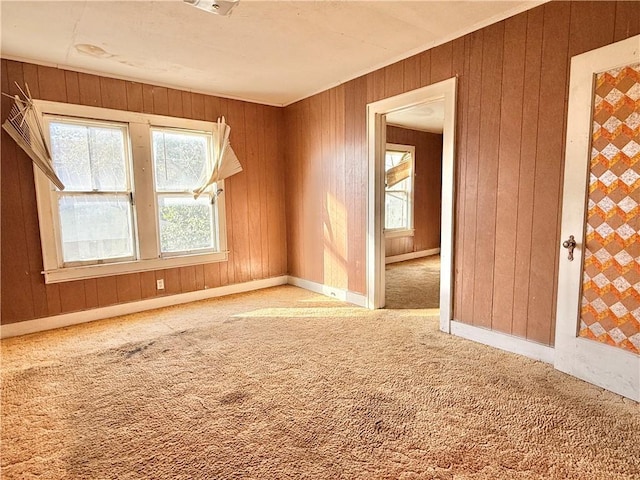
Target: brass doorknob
[[570, 244]]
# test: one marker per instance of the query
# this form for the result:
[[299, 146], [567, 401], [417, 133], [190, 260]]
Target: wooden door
[[598, 316]]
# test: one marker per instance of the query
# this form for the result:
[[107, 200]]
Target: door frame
[[376, 141], [603, 365]]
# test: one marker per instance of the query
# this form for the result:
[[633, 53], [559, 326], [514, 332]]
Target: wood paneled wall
[[512, 94], [256, 221], [427, 191]]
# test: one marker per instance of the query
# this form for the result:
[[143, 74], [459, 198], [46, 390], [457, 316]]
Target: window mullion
[[145, 202]]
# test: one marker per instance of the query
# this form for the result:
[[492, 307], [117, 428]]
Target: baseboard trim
[[411, 255], [74, 318], [503, 341], [337, 293]]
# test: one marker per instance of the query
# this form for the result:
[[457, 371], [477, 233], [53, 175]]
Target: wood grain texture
[[427, 189], [489, 144], [549, 155], [512, 90], [508, 171], [24, 294]]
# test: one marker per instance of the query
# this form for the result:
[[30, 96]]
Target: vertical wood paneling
[[508, 171], [197, 106], [15, 260], [627, 20], [128, 287], [549, 152], [262, 182], [27, 194], [274, 173], [425, 68], [174, 103], [172, 280], [411, 74], [252, 167], [314, 201], [211, 273], [54, 307], [148, 287], [89, 86], [11, 229], [90, 293], [340, 211], [21, 252], [592, 26], [441, 57], [134, 97], [510, 142], [52, 84], [147, 99], [72, 296], [227, 269], [462, 116], [113, 93], [188, 279], [326, 192], [526, 176], [73, 87], [493, 41], [394, 79], [474, 47], [107, 291]]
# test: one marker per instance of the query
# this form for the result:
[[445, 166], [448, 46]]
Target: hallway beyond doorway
[[414, 283]]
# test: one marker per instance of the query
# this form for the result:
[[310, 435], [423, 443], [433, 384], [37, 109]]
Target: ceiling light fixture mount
[[219, 7]]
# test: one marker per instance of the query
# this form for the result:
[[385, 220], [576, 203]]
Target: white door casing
[[607, 366], [376, 135]]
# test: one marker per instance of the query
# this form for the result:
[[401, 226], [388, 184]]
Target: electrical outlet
[[160, 284]]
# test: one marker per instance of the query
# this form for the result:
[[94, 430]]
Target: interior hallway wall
[[512, 94], [427, 191]]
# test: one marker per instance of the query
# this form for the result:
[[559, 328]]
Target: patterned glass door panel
[[610, 310]]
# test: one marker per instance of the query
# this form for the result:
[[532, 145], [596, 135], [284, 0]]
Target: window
[[179, 158], [94, 211], [398, 198], [128, 202]]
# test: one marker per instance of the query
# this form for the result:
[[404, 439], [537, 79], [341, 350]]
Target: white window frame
[[145, 207], [403, 232]]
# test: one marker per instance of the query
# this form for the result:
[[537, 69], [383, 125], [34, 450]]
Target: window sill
[[403, 232], [110, 269]]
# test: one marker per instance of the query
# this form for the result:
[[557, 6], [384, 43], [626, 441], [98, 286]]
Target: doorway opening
[[385, 173], [412, 204]]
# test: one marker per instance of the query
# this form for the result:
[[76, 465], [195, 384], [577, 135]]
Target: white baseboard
[[411, 255], [74, 318], [337, 293], [503, 341]]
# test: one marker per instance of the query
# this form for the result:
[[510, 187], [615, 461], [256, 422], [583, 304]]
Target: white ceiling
[[427, 117], [273, 52]]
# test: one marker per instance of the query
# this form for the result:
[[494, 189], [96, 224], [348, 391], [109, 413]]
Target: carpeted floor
[[413, 284], [283, 383]]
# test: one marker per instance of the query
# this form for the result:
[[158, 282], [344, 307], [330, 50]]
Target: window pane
[[95, 227], [179, 159], [89, 157], [396, 211], [108, 159], [185, 224]]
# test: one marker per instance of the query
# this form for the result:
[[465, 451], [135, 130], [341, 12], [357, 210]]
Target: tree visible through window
[[186, 225], [399, 166], [128, 203]]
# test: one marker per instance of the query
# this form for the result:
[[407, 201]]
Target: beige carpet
[[284, 383], [413, 284]]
